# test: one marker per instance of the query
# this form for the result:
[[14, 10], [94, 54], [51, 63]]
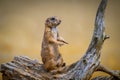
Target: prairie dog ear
[[47, 20]]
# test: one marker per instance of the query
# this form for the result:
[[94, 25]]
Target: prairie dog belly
[[54, 32]]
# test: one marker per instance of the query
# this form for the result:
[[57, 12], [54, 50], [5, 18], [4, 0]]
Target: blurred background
[[22, 27]]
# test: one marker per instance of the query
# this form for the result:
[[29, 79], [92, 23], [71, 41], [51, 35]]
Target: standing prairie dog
[[51, 57]]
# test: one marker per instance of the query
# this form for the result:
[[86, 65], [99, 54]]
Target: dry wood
[[23, 68]]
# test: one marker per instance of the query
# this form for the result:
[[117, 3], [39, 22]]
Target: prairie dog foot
[[60, 70]]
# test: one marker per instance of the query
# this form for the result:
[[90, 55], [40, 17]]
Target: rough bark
[[23, 68]]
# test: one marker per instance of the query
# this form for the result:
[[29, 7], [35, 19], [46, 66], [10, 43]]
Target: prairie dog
[[51, 57]]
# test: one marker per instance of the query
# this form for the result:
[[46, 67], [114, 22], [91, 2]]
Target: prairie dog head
[[52, 22]]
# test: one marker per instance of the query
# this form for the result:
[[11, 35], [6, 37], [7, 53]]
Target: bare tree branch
[[111, 72], [85, 67]]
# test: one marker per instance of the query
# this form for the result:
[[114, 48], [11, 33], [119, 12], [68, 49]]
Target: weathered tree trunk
[[23, 68]]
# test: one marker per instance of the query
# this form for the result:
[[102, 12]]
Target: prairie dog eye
[[52, 18]]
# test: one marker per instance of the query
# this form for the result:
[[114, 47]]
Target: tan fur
[[50, 54]]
